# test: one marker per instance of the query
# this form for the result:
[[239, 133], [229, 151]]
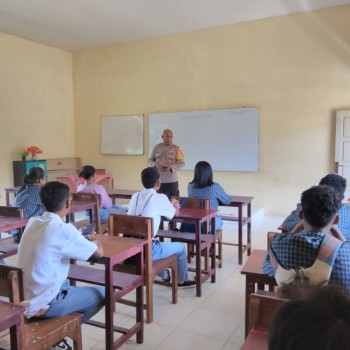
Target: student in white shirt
[[45, 250], [152, 204]]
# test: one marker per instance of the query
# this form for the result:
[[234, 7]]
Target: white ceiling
[[85, 24]]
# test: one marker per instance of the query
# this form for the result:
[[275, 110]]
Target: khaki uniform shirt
[[168, 155]]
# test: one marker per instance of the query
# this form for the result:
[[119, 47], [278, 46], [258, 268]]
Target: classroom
[[294, 68]]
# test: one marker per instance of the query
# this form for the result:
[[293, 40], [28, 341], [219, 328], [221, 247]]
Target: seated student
[[88, 173], [203, 186], [297, 251], [152, 204], [339, 184], [319, 321], [28, 196], [47, 246]]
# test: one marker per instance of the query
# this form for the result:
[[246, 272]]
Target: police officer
[[168, 159]]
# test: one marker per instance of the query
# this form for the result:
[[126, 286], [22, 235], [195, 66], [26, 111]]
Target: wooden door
[[342, 147]]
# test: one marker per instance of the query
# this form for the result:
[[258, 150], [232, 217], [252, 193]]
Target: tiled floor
[[215, 321]]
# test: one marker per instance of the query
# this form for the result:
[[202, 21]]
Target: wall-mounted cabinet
[[62, 167]]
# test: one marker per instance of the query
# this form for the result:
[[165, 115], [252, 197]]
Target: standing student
[[339, 184], [47, 245], [168, 159], [28, 196], [88, 173], [155, 205], [202, 186]]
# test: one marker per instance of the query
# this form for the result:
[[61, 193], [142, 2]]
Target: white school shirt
[[45, 250], [151, 204]]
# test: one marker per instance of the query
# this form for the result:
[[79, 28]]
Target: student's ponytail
[[34, 176]]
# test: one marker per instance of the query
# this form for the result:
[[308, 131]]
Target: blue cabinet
[[21, 168]]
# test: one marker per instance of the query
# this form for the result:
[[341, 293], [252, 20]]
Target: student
[[294, 251], [339, 184], [88, 173], [47, 246], [28, 196], [155, 205], [203, 186], [319, 321]]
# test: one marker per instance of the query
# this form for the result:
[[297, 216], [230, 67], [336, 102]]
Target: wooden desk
[[123, 194], [8, 249], [255, 279], [8, 223], [240, 202], [256, 340], [197, 217], [11, 317], [10, 190], [117, 249]]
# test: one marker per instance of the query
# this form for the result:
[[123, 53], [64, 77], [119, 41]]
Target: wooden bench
[[39, 334]]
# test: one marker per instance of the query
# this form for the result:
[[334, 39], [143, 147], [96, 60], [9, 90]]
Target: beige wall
[[295, 69], [36, 102]]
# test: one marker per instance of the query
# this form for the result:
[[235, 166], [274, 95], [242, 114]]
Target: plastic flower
[[34, 150]]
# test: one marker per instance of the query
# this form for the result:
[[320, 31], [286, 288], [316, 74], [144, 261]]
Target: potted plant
[[34, 150], [24, 154]]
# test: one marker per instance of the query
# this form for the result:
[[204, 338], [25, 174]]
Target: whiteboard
[[228, 138], [122, 135]]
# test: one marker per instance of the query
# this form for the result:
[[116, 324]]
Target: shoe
[[191, 282], [167, 279], [63, 344]]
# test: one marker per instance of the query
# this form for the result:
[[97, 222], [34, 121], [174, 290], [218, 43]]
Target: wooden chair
[[191, 202], [262, 307], [92, 198], [39, 334], [142, 227], [16, 212]]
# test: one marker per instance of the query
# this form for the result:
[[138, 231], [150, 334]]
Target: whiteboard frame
[[122, 135]]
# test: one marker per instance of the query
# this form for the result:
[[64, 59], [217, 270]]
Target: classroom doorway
[[342, 148]]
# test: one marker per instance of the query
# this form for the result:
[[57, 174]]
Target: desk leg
[[16, 335], [7, 199], [249, 289], [240, 234], [198, 260], [249, 228], [139, 297], [213, 253], [109, 307]]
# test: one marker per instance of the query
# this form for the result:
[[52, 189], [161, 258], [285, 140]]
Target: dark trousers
[[169, 189]]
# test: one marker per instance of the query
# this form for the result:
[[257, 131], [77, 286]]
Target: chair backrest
[[192, 202], [195, 203], [11, 283], [135, 226], [90, 198], [16, 212], [262, 308]]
